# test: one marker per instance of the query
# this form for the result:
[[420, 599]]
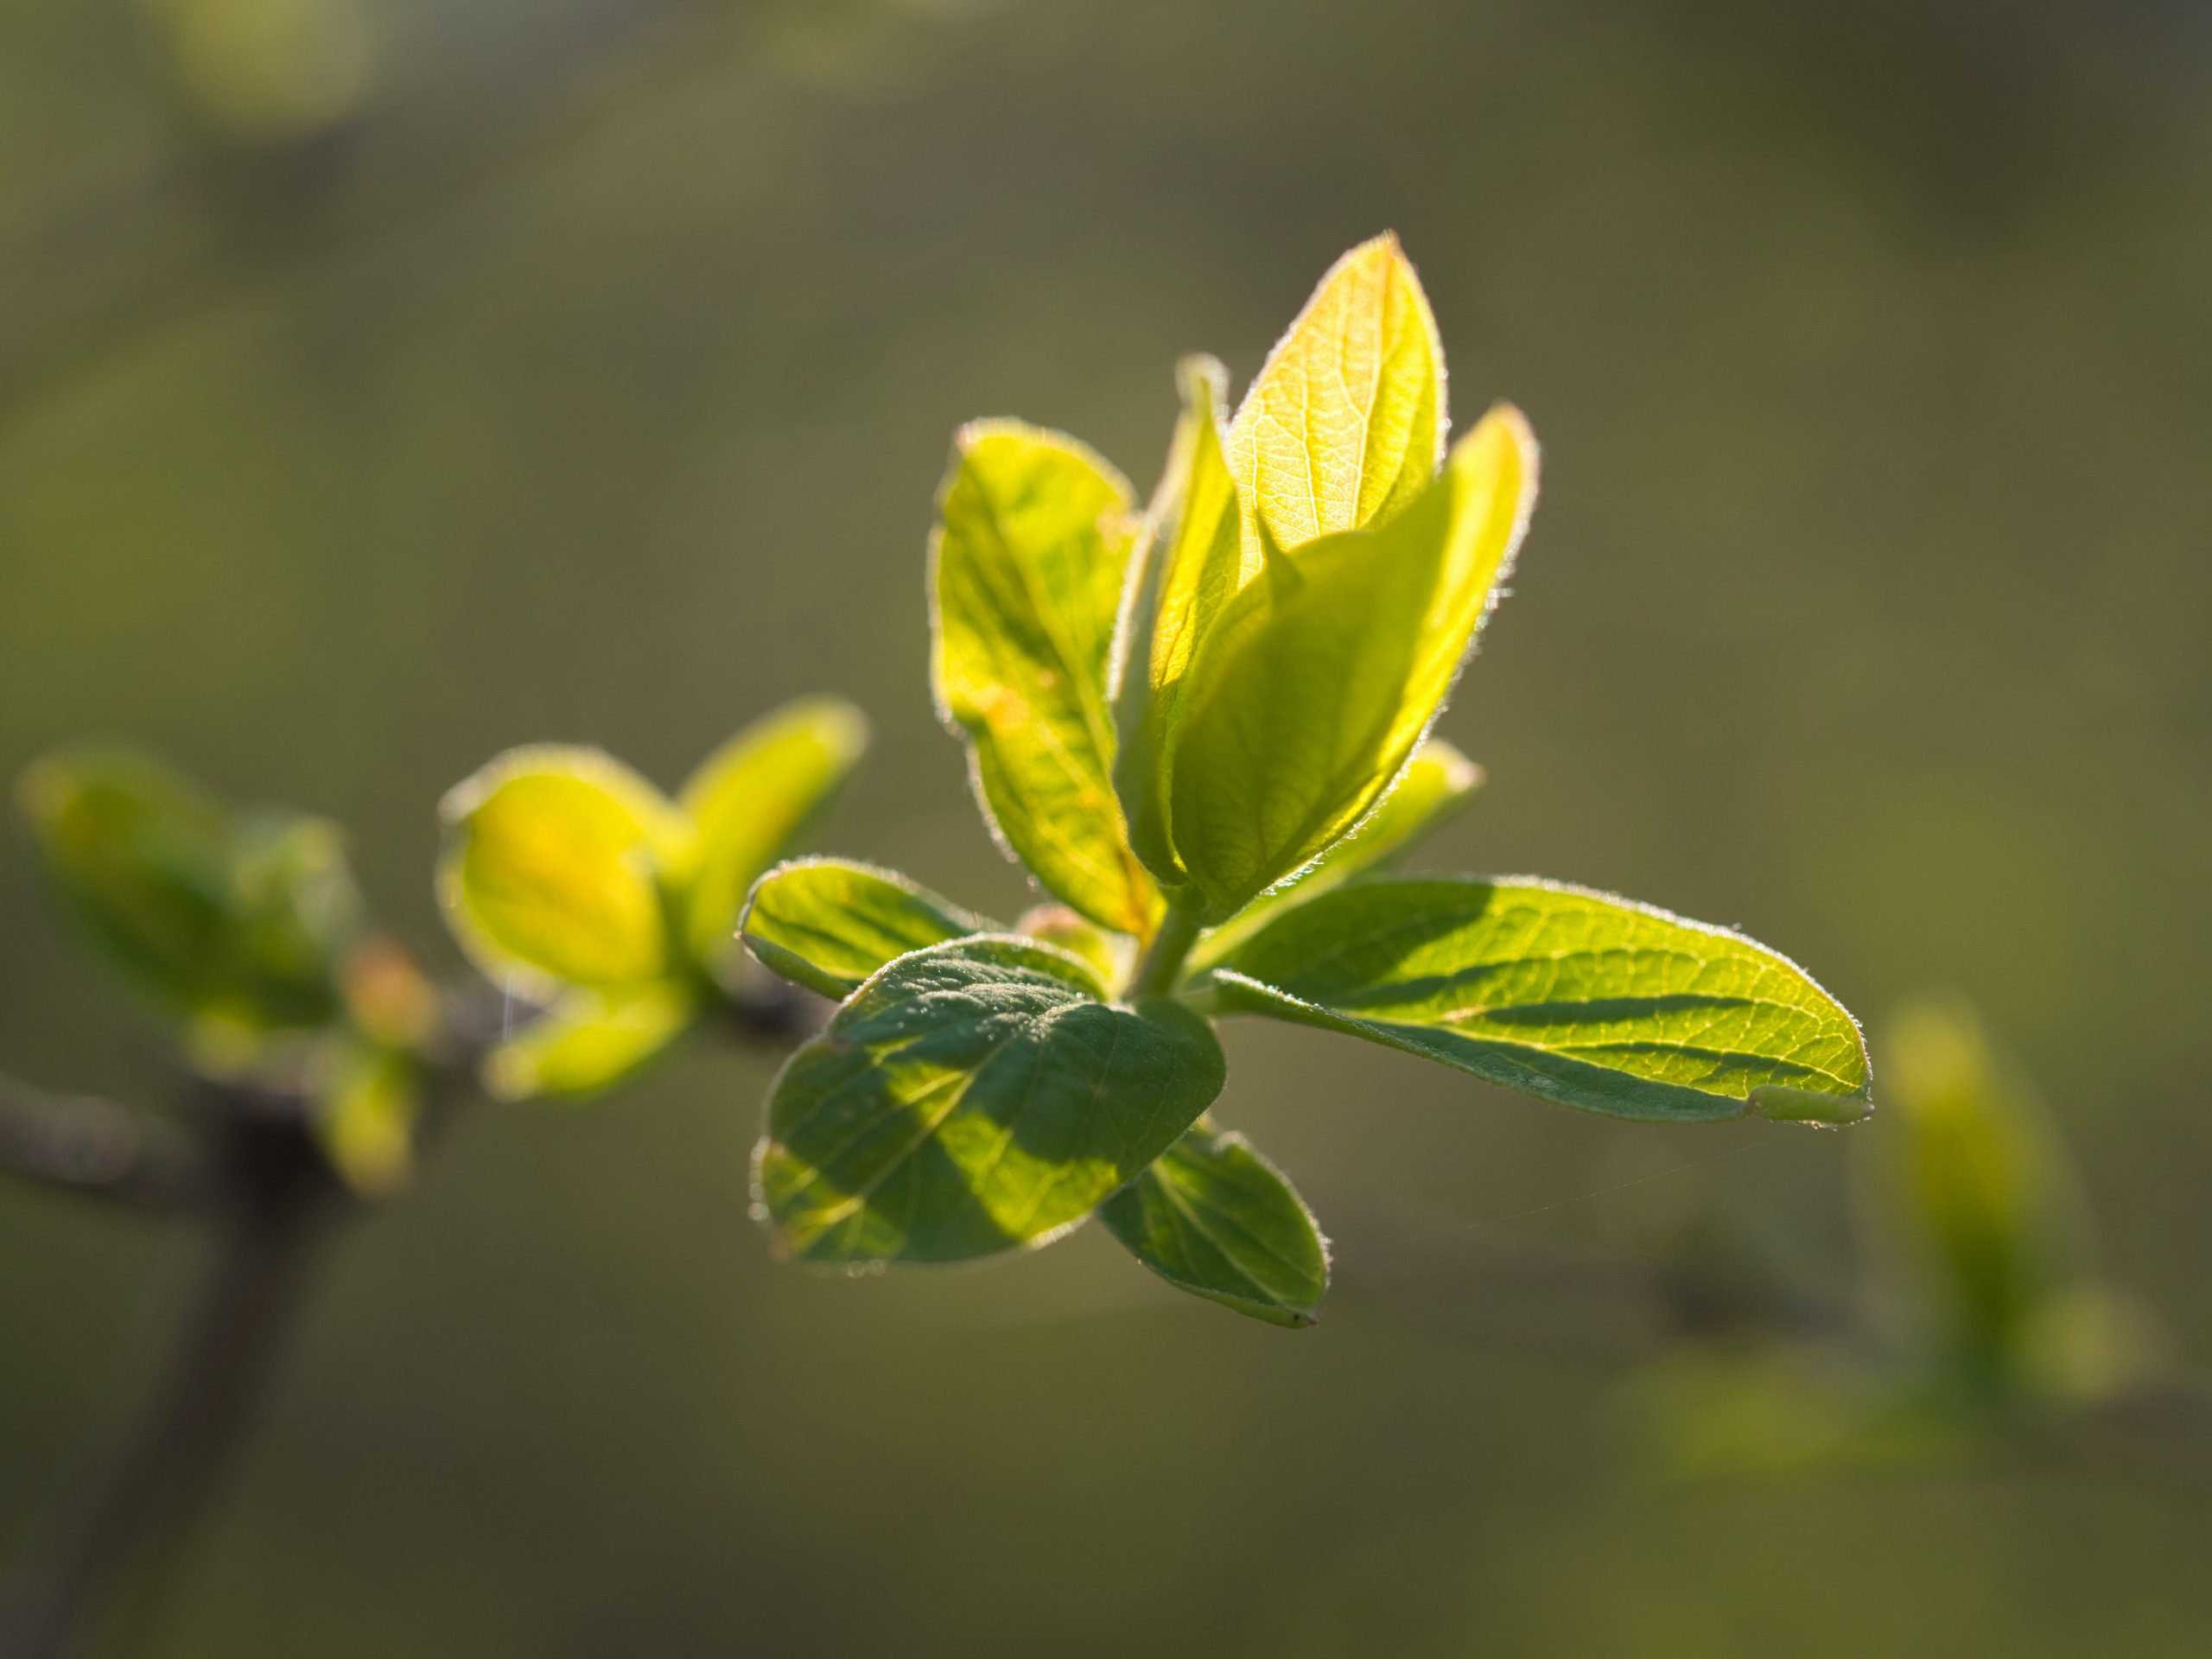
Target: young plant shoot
[[577, 886], [1204, 728]]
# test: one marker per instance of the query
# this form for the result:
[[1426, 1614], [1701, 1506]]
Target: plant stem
[[106, 1571], [1163, 958]]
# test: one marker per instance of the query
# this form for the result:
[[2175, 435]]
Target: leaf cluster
[[1203, 727]]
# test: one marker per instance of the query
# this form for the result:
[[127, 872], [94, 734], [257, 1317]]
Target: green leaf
[[1215, 1218], [828, 923], [221, 919], [1990, 1207], [1026, 566], [1578, 997], [589, 1040], [1436, 784], [551, 873], [974, 1098], [1189, 566], [1323, 675], [1344, 425], [751, 801], [366, 1116]]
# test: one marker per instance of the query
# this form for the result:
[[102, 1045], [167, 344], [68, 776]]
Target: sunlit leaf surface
[[752, 800], [1033, 538], [552, 873], [971, 1098], [828, 923], [1576, 996]]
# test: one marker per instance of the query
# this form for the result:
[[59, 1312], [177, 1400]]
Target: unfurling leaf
[[974, 1098], [552, 870], [1575, 996], [1324, 672], [589, 1040], [1033, 537], [751, 801], [1191, 565], [1344, 425], [1215, 1218], [828, 923], [1436, 784], [232, 922]]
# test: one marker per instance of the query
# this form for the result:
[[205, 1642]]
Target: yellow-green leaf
[[1324, 673], [1190, 566], [552, 870], [365, 1117], [1574, 997], [751, 801], [828, 923], [1215, 1218], [1436, 784], [1026, 566], [591, 1039], [1344, 425]]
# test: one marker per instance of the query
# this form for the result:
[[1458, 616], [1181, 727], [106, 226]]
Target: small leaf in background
[[552, 870], [1324, 674], [1981, 1196], [1344, 425], [233, 923], [1034, 534], [1574, 997], [1215, 1218], [974, 1098], [589, 1040], [828, 923], [1110, 956], [752, 802], [365, 1115], [1437, 783]]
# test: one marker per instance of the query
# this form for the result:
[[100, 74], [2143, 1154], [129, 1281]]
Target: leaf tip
[[1778, 1105]]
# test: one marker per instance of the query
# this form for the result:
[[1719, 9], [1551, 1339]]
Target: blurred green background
[[383, 382]]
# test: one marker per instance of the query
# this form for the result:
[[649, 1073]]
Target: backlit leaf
[[1324, 673], [828, 923], [1346, 423], [551, 873], [1575, 996], [1436, 784], [589, 1040], [752, 800], [971, 1098], [1192, 566], [1026, 567], [1215, 1218]]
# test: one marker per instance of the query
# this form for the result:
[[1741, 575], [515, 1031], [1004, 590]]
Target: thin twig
[[98, 1148]]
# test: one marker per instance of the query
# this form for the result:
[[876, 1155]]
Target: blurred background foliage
[[384, 382]]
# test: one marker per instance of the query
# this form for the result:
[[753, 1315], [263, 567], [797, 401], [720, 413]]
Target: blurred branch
[[97, 1148], [112, 1562]]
